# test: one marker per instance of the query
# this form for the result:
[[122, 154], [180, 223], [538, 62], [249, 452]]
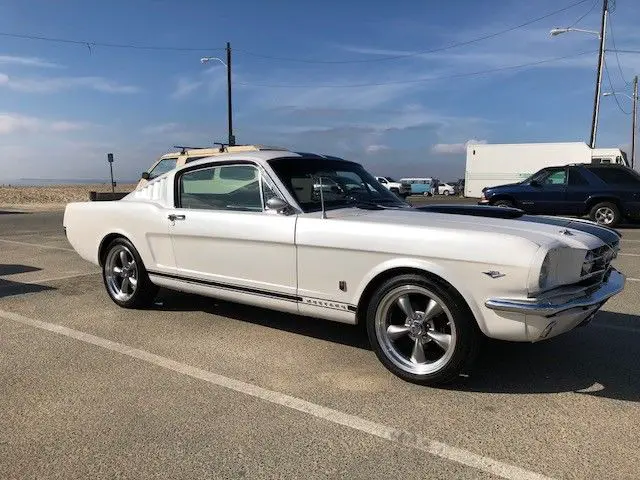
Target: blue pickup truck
[[607, 193]]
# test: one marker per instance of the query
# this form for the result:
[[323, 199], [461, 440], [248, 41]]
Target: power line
[[613, 41], [606, 69], [623, 51], [424, 79], [585, 14], [91, 44], [414, 54]]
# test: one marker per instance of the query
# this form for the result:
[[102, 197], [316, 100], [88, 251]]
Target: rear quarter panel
[[145, 224]]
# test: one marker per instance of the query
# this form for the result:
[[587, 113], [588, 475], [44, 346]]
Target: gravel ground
[[51, 196]]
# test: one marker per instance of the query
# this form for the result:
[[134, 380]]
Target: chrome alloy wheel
[[121, 273], [605, 215], [415, 329]]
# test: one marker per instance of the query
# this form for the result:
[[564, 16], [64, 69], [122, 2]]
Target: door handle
[[174, 217]]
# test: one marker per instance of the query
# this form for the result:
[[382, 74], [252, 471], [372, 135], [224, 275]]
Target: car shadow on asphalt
[[11, 287], [600, 360], [351, 335]]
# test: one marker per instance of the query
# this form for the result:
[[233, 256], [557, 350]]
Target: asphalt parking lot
[[196, 388]]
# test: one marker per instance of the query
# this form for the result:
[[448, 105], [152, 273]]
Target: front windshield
[[389, 179], [343, 184]]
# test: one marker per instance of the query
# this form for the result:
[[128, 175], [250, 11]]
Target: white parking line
[[629, 254], [392, 434], [634, 279], [36, 245]]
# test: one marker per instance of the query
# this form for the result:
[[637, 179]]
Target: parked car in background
[[607, 193], [446, 189], [489, 165], [251, 227], [420, 186], [401, 189], [172, 160]]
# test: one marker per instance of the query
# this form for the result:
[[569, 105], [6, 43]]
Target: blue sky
[[64, 106]]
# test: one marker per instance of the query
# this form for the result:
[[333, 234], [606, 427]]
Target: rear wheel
[[447, 193], [605, 213], [421, 329], [125, 276]]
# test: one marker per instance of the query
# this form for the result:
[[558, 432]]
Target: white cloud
[[185, 87], [57, 84], [11, 123], [375, 148], [161, 128], [27, 61], [454, 148]]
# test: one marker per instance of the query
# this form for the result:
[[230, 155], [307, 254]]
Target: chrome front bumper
[[592, 299]]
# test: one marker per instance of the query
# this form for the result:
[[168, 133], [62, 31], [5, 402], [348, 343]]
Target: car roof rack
[[184, 148]]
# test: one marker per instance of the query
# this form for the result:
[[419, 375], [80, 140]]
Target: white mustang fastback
[[318, 236]]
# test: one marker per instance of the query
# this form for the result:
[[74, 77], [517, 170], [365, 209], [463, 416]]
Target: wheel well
[[371, 287], [592, 202], [102, 250]]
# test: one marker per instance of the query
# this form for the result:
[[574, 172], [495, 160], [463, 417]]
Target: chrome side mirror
[[279, 205]]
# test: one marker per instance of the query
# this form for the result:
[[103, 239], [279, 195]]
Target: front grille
[[598, 261]]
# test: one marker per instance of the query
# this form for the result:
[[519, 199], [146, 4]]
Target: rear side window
[[616, 176], [576, 178], [163, 166]]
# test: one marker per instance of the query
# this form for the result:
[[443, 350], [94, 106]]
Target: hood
[[502, 186], [508, 222], [608, 235]]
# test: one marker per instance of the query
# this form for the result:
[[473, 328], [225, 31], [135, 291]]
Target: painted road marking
[[629, 254], [392, 434], [36, 245]]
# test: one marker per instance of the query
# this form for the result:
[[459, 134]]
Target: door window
[[225, 187], [551, 177]]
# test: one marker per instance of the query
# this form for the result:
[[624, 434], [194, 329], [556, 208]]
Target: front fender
[[431, 267]]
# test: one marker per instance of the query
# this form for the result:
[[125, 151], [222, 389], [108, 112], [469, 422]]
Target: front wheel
[[447, 193], [605, 213], [504, 204], [125, 276], [421, 329]]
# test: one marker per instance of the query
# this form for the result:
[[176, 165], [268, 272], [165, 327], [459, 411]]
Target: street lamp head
[[558, 31], [607, 94], [204, 60]]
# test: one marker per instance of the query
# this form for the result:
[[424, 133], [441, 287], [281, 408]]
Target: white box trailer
[[489, 165]]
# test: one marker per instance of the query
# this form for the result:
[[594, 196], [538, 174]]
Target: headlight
[[544, 272]]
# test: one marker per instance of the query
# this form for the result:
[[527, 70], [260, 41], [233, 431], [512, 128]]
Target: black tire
[[139, 295], [503, 203], [462, 330], [606, 214], [447, 193]]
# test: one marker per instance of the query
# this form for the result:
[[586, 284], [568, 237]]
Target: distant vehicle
[[185, 155], [607, 193], [420, 186], [399, 188], [446, 189], [490, 165]]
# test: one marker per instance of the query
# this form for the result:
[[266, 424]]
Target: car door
[[548, 192], [578, 191], [223, 234]]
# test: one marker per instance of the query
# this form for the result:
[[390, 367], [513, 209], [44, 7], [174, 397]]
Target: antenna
[[324, 214]]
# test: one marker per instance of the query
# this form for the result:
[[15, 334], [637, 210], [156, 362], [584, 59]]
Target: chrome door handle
[[174, 217]]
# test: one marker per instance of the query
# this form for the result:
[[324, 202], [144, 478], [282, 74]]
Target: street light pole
[[633, 121], [232, 138], [596, 101]]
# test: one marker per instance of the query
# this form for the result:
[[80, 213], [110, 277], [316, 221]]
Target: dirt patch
[[51, 196]]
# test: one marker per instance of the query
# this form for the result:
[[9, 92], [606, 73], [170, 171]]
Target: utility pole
[[596, 102], [232, 138], [633, 121]]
